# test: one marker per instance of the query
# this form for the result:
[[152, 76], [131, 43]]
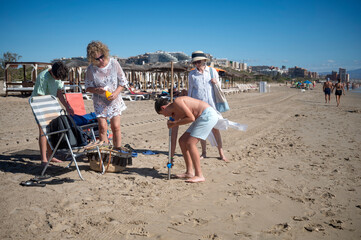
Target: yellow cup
[[108, 94]]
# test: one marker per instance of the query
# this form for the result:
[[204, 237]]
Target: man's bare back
[[181, 105], [328, 84]]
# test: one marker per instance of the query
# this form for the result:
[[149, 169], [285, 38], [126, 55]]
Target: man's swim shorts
[[203, 125], [327, 91]]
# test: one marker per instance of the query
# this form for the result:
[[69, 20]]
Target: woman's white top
[[109, 78]]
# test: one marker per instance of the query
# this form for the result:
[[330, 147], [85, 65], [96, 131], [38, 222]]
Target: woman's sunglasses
[[101, 57]]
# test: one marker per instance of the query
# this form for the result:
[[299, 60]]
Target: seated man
[[203, 117]]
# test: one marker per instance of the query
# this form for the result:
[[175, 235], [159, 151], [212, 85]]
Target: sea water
[[356, 90]]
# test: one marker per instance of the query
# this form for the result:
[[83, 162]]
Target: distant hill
[[354, 74]]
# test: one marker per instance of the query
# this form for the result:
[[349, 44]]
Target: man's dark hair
[[60, 71], [159, 103]]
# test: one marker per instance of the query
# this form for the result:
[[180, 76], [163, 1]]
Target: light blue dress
[[201, 87]]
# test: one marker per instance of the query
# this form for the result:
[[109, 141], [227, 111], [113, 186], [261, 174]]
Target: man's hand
[[214, 81], [171, 124]]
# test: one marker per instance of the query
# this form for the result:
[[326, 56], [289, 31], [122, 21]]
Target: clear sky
[[319, 35]]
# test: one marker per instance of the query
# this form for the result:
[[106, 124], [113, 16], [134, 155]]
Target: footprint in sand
[[139, 232], [213, 236], [328, 195], [279, 228], [314, 227], [296, 218], [199, 221], [335, 224], [243, 234], [327, 212]]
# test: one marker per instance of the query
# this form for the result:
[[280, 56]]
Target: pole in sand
[[170, 164]]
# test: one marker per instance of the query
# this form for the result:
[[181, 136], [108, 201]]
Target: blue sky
[[317, 35]]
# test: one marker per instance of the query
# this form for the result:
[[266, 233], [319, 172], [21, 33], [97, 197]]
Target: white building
[[243, 66], [223, 62]]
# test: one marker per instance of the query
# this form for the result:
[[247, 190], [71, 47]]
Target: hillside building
[[159, 56], [297, 72], [342, 74]]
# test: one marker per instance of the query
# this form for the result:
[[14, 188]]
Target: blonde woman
[[105, 74]]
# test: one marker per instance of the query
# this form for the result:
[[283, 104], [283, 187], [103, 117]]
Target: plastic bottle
[[107, 93]]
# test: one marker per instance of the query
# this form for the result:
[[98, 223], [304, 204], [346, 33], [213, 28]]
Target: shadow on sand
[[27, 162]]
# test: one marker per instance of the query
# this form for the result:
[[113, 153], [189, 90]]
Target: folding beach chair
[[76, 102], [46, 108]]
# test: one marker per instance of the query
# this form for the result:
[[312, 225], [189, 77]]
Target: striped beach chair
[[46, 108]]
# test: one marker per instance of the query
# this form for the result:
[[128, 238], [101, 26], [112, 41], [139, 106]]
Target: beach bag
[[77, 137], [220, 98]]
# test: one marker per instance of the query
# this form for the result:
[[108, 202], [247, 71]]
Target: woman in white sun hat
[[201, 87]]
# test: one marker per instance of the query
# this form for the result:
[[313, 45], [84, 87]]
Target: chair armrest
[[56, 132], [90, 125]]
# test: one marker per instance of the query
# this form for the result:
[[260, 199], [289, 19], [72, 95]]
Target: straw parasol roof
[[74, 63], [167, 66], [135, 67]]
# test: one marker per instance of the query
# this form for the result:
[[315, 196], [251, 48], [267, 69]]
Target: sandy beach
[[294, 174]]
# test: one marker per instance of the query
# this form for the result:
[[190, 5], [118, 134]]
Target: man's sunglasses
[[101, 57]]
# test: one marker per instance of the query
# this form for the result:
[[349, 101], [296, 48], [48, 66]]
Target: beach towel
[[85, 119]]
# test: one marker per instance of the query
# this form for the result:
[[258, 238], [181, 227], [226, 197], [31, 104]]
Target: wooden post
[[33, 74], [24, 69], [6, 81], [155, 75], [169, 165], [178, 84], [172, 82], [145, 81]]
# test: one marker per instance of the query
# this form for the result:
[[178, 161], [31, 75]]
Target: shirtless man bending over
[[327, 86], [203, 117]]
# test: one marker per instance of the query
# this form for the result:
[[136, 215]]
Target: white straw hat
[[198, 55]]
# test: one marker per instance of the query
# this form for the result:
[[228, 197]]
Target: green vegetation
[[15, 73]]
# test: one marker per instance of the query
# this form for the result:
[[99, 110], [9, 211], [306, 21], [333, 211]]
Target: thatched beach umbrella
[[164, 69], [75, 63], [179, 67]]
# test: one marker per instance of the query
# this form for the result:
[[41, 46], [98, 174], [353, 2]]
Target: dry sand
[[295, 174]]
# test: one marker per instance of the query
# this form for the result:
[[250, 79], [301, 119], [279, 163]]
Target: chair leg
[[73, 158], [52, 154]]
